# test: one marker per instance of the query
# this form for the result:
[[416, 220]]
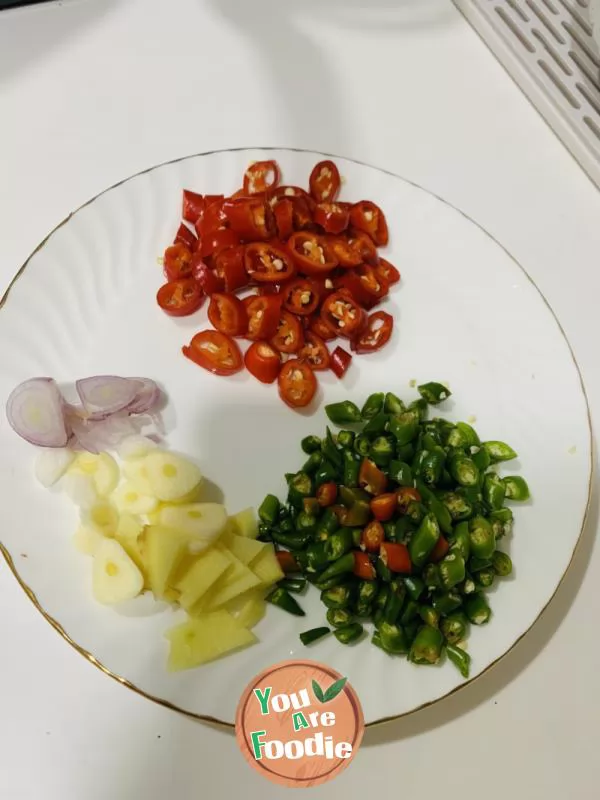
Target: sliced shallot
[[146, 397], [35, 411], [106, 394]]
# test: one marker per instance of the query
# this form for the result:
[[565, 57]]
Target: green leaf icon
[[334, 690], [318, 692]]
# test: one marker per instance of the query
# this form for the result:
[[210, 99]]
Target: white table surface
[[94, 90]]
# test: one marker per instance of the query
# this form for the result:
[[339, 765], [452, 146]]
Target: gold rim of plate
[[213, 720]]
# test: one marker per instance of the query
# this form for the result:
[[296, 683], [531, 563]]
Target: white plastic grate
[[547, 47]]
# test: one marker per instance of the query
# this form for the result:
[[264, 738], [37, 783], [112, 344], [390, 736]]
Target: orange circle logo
[[299, 723]]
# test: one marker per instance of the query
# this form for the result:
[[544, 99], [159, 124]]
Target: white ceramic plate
[[466, 314]]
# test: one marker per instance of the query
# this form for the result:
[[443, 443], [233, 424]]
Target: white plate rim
[[214, 721]]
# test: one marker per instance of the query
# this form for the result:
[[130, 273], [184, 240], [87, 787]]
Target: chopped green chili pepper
[[404, 427], [283, 599], [424, 540], [393, 404], [437, 508], [484, 578], [382, 596], [477, 609], [501, 521], [294, 585], [476, 564], [499, 451], [362, 445], [373, 406], [409, 612], [358, 514], [287, 525], [468, 586], [329, 521], [458, 506], [383, 571], [367, 591], [483, 541], [349, 634], [414, 586], [339, 617], [403, 530], [405, 452], [336, 580], [431, 436], [300, 486], [481, 459], [502, 564], [325, 473], [446, 602], [339, 543], [330, 450], [313, 463], [516, 488], [306, 523], [420, 408], [411, 629], [452, 570], [381, 451], [401, 473], [429, 616], [310, 444], [344, 413], [431, 466], [265, 533], [394, 601], [342, 565], [433, 393], [454, 627], [376, 425], [346, 439], [308, 637], [427, 646], [269, 509], [463, 469], [337, 597], [392, 638], [293, 540], [460, 540], [316, 557], [431, 576], [460, 659], [494, 491]]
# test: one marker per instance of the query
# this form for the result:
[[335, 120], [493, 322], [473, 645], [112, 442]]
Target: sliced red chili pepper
[[350, 283], [327, 494], [322, 329], [297, 383], [300, 296], [332, 217], [290, 192], [343, 314], [325, 182], [363, 247], [261, 176], [205, 277], [368, 217], [439, 551], [263, 315], [287, 562], [227, 314], [341, 512], [384, 507], [267, 288], [315, 352], [250, 217], [186, 236], [340, 361], [395, 556], [263, 361], [365, 285], [177, 262], [372, 537], [371, 478], [311, 253], [180, 298], [215, 352], [348, 255], [284, 217], [290, 336], [267, 262], [302, 213], [192, 206], [406, 495], [363, 568], [229, 267], [213, 242], [387, 271], [376, 334], [212, 218]]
